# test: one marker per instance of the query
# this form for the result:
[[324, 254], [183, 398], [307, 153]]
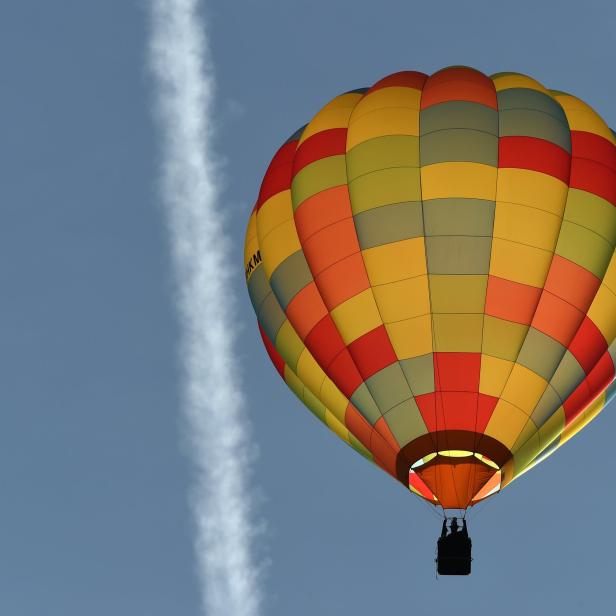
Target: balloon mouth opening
[[454, 453], [454, 479]]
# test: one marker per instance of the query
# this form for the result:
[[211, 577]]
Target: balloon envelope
[[431, 262]]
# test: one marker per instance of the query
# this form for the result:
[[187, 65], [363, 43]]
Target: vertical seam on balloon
[[544, 447], [601, 283], [378, 308], [329, 313], [535, 312], [305, 387], [437, 376], [316, 393], [476, 441], [489, 267], [542, 289], [432, 330], [435, 370], [286, 319]]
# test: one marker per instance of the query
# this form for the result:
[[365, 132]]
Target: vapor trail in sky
[[212, 396]]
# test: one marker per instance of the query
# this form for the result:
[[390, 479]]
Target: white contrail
[[213, 401]]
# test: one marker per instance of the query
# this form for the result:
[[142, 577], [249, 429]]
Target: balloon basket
[[453, 555]]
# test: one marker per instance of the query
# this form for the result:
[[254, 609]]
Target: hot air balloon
[[431, 262]]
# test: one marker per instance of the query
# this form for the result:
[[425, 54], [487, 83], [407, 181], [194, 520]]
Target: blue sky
[[94, 515]]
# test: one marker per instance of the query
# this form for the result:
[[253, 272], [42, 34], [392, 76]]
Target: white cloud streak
[[212, 396]]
